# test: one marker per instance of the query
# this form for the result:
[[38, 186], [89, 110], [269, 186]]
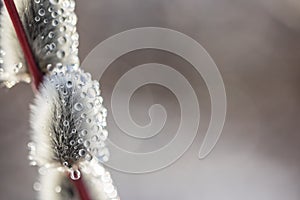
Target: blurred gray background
[[255, 44]]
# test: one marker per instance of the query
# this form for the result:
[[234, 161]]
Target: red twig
[[32, 66], [36, 74], [84, 195]]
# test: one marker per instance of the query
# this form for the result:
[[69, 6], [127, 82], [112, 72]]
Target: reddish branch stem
[[37, 76], [81, 189]]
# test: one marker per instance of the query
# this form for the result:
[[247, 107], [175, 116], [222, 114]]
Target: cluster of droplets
[[97, 179], [78, 130], [59, 38], [52, 34]]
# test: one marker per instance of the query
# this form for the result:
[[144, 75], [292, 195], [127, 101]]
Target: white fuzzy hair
[[52, 35], [68, 120]]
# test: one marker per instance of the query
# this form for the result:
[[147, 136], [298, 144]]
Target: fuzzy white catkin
[[68, 122], [50, 26]]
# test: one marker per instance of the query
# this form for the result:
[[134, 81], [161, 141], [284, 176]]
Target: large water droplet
[[82, 152], [75, 174]]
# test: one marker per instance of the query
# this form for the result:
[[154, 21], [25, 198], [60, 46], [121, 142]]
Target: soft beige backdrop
[[256, 45]]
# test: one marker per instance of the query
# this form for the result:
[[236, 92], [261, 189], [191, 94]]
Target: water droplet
[[37, 18], [50, 9], [63, 29], [95, 128], [65, 164], [49, 67], [72, 142], [37, 1], [41, 12], [105, 158], [37, 186], [94, 138], [54, 14], [54, 2], [86, 143], [80, 141], [84, 132], [113, 194], [104, 112], [83, 115], [90, 105], [62, 40], [66, 123], [69, 84], [33, 163], [83, 94], [78, 106], [104, 134], [61, 54], [60, 11], [82, 152], [75, 174], [65, 4], [91, 93], [52, 46], [88, 157], [57, 189], [51, 34], [62, 19], [59, 65], [108, 188], [54, 22]]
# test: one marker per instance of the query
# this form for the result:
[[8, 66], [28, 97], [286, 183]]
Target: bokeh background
[[256, 46]]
